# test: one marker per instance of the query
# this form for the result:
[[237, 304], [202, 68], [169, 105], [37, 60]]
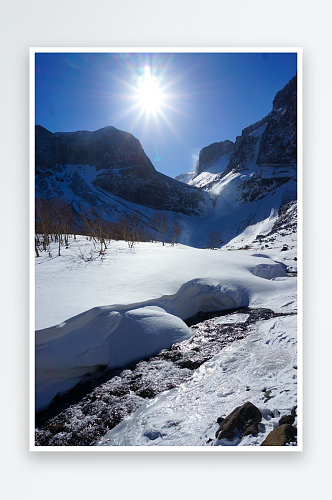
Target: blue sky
[[201, 97]]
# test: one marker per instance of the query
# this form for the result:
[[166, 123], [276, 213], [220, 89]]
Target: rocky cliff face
[[83, 166], [210, 155], [260, 174], [279, 142], [267, 148]]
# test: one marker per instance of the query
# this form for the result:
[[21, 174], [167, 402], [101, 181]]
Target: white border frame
[[218, 449]]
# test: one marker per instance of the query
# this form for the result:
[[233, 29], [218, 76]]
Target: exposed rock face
[[279, 141], [286, 95], [245, 153], [281, 436], [210, 155], [110, 160], [248, 130], [107, 148], [270, 141], [244, 419], [47, 150], [262, 167]]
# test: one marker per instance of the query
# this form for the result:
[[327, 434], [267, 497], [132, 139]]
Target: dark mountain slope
[[77, 165]]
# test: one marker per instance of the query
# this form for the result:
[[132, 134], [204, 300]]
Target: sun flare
[[149, 95]]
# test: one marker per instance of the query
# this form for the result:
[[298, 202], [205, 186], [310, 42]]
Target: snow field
[[134, 302]]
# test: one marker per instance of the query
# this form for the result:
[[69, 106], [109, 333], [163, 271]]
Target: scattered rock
[[267, 394], [284, 248], [244, 419], [287, 419], [281, 436]]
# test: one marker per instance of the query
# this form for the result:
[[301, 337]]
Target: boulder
[[281, 436], [287, 419], [244, 419]]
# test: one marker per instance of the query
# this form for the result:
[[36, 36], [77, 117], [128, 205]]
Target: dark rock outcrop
[[211, 154], [279, 141], [47, 150], [245, 153], [248, 130], [244, 419], [106, 148], [286, 94], [281, 436]]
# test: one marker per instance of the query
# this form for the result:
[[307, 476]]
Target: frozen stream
[[85, 414]]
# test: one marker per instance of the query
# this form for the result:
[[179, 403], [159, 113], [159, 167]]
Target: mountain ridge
[[118, 166]]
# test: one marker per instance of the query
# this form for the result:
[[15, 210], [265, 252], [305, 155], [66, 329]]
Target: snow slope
[[186, 177], [210, 174]]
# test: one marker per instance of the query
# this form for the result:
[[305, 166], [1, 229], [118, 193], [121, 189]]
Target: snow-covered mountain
[[234, 185], [250, 180], [106, 169]]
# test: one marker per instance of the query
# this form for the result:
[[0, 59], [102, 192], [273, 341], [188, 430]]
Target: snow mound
[[100, 337], [115, 336], [269, 271], [204, 295]]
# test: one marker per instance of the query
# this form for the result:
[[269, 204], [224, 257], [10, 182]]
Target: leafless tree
[[215, 239], [176, 230], [96, 228], [61, 221], [43, 222], [129, 230], [36, 245], [161, 222]]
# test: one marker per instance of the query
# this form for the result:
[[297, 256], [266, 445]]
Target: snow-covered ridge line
[[116, 335]]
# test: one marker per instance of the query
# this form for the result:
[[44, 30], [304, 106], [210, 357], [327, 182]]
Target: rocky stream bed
[[85, 414]]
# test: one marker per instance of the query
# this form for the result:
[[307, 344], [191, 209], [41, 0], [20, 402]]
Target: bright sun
[[149, 94]]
